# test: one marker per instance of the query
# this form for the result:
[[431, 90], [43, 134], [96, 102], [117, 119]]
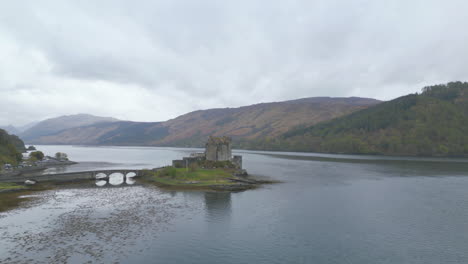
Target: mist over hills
[[11, 129], [17, 130], [244, 123]]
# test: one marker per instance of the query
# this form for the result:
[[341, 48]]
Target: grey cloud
[[184, 55]]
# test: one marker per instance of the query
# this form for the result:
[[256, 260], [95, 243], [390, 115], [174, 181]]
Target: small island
[[215, 169]]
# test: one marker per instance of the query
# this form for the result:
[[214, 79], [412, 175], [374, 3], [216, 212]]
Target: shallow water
[[330, 209]]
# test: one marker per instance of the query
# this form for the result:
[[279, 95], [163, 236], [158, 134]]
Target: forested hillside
[[432, 123], [10, 148]]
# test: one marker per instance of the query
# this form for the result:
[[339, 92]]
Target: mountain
[[17, 130], [54, 125], [257, 121], [10, 148], [10, 129], [252, 122], [26, 126], [432, 123], [108, 133]]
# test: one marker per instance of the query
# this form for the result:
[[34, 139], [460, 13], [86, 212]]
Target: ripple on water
[[86, 224]]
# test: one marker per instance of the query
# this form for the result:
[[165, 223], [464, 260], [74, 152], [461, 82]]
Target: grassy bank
[[7, 186], [182, 178], [12, 195], [11, 200]]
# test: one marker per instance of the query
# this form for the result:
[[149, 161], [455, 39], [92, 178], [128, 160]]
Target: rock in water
[[30, 182]]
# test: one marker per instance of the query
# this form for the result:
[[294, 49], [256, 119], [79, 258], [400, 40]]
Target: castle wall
[[211, 152], [216, 149], [224, 152], [237, 161], [188, 161], [178, 164]]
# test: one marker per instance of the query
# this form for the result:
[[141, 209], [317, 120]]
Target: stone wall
[[186, 162], [178, 164], [191, 160], [197, 155]]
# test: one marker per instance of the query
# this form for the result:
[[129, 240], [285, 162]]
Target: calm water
[[330, 209]]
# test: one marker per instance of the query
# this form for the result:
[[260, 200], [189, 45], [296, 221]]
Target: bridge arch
[[115, 177], [131, 174], [100, 175]]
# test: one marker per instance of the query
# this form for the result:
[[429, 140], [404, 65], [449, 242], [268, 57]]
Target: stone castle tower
[[218, 149]]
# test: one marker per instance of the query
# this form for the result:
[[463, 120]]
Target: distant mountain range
[[54, 125], [248, 123], [16, 130], [431, 123]]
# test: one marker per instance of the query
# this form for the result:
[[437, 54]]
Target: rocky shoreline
[[242, 184]]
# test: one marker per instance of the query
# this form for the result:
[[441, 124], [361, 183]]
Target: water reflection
[[115, 179], [130, 178], [130, 181], [218, 205], [101, 175], [100, 183]]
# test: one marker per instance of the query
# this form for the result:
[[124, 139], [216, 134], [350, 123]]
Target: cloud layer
[[153, 60]]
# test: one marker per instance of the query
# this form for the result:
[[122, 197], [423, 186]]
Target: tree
[[36, 155], [61, 156]]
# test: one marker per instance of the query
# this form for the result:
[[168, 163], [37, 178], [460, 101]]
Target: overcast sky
[[152, 60]]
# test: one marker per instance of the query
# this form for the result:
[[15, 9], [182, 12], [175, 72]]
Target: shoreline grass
[[198, 177], [4, 186], [219, 179]]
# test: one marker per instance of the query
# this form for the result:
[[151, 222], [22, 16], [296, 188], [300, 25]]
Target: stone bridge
[[105, 174], [71, 176]]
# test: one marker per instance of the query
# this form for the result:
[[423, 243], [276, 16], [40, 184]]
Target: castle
[[216, 149]]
